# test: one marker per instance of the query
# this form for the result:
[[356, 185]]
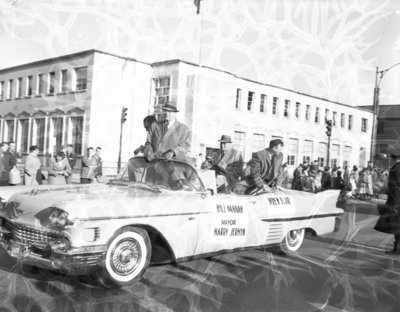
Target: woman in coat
[[389, 221], [59, 169]]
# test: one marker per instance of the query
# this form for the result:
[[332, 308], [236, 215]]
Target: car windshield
[[161, 173]]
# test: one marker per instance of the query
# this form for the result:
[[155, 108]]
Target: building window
[[238, 98], [342, 120], [239, 139], [275, 103], [52, 80], [37, 137], [322, 153], [2, 90], [307, 159], [297, 112], [286, 112], [335, 155], [347, 154], [162, 86], [77, 134], [263, 99], [350, 126], [19, 87], [258, 142], [308, 111], [9, 130], [316, 115], [250, 98], [10, 89], [381, 126], [29, 85], [63, 80], [291, 151], [334, 116], [23, 135], [364, 125], [81, 78], [56, 134], [326, 114], [40, 84], [308, 149]]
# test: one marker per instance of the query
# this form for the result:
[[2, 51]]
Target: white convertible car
[[155, 212]]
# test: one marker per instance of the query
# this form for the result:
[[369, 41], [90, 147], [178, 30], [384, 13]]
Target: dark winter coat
[[389, 221]]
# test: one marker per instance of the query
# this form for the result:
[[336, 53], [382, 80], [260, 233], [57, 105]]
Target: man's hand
[[168, 155], [149, 156], [138, 150], [266, 188]]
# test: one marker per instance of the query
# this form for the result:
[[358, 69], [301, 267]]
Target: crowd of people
[[362, 183], [59, 169]]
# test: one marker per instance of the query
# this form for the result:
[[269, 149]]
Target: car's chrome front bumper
[[72, 260]]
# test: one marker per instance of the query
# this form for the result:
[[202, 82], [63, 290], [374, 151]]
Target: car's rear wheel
[[127, 258], [293, 240]]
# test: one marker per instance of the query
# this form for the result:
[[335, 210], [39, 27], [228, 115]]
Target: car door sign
[[229, 222]]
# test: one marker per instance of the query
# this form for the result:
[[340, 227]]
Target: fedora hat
[[169, 108], [225, 139]]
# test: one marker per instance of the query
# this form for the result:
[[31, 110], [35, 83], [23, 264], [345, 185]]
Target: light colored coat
[[59, 171], [177, 138], [32, 165]]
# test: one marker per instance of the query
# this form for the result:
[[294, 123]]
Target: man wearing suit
[[4, 164], [173, 137], [227, 162], [263, 170]]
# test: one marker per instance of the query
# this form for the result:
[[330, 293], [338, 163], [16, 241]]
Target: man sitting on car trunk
[[263, 170]]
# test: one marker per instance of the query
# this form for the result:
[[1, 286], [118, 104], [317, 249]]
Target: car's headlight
[[59, 218]]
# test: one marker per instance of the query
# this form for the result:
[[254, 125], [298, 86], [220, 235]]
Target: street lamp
[[378, 78]]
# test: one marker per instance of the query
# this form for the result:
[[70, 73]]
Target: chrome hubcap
[[126, 256], [294, 237]]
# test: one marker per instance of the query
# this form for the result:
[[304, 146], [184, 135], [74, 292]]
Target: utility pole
[[328, 132], [123, 119]]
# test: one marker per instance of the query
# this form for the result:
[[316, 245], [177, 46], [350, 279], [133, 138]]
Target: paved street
[[344, 271]]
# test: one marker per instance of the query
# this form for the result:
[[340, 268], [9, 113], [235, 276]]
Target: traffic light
[[123, 114], [328, 127]]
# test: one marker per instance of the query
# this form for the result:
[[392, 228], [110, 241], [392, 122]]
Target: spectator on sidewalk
[[71, 158], [4, 164], [88, 167], [59, 169], [98, 172], [32, 167]]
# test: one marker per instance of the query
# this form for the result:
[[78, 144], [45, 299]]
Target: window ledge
[[79, 91], [8, 100], [27, 96], [38, 95], [50, 94], [18, 98], [61, 93]]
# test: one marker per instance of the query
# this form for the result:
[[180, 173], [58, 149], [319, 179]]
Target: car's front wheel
[[127, 258], [293, 240]]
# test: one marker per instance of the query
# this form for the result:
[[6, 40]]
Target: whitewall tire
[[127, 258], [293, 240]]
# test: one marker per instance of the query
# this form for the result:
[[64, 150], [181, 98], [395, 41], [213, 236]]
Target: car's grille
[[28, 235]]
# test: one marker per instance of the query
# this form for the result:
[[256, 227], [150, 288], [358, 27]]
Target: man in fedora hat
[[173, 139], [227, 162]]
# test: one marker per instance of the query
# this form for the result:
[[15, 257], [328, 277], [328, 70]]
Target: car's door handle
[[191, 218]]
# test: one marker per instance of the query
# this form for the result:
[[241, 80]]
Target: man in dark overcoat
[[263, 170], [389, 221]]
